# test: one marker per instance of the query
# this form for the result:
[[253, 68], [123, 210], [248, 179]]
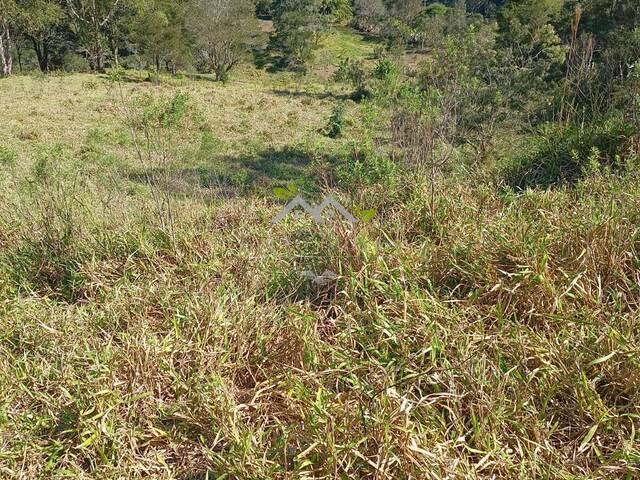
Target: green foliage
[[92, 21], [386, 69], [299, 25], [40, 21], [8, 156], [363, 165], [533, 52], [158, 30], [336, 121], [561, 155], [337, 10], [436, 9], [353, 71], [223, 33], [287, 193], [264, 7], [526, 28], [165, 113], [365, 216]]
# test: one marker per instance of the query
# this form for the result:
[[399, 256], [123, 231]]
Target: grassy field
[[155, 324]]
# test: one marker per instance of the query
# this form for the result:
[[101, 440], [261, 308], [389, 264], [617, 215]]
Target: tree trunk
[[98, 58], [5, 49], [19, 54], [42, 54], [170, 66], [99, 61], [116, 57], [157, 80], [98, 50]]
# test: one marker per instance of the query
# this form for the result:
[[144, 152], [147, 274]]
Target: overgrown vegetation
[[479, 321]]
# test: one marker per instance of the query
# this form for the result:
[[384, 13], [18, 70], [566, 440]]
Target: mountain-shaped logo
[[315, 212], [295, 201], [321, 280]]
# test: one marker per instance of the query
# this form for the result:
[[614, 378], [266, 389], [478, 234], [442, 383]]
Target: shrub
[[561, 155], [336, 121], [385, 69], [353, 72], [364, 165], [75, 63]]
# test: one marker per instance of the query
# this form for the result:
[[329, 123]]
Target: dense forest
[[470, 307]]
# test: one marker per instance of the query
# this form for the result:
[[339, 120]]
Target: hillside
[[156, 323]]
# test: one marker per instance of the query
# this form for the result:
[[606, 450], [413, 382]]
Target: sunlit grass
[[496, 340]]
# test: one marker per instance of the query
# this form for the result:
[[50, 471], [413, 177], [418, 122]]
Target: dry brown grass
[[498, 339]]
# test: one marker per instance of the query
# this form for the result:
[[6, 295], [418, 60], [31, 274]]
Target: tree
[[7, 9], [159, 32], [299, 25], [404, 10], [118, 31], [464, 67], [337, 10], [532, 52], [369, 15], [526, 27], [223, 31], [93, 18], [42, 23], [263, 7]]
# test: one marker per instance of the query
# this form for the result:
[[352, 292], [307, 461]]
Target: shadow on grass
[[237, 176], [562, 156], [272, 62], [266, 59], [126, 78], [314, 95], [201, 77]]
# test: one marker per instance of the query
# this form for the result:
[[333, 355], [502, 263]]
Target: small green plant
[[336, 121], [286, 193], [156, 125], [365, 215], [7, 156], [363, 165], [353, 72], [385, 69]]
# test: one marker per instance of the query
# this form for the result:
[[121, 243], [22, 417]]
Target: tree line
[[210, 35], [96, 34], [578, 53]]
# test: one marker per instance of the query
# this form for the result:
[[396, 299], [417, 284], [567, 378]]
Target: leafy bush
[[336, 121], [364, 165], [564, 154], [353, 72], [385, 69], [75, 63]]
